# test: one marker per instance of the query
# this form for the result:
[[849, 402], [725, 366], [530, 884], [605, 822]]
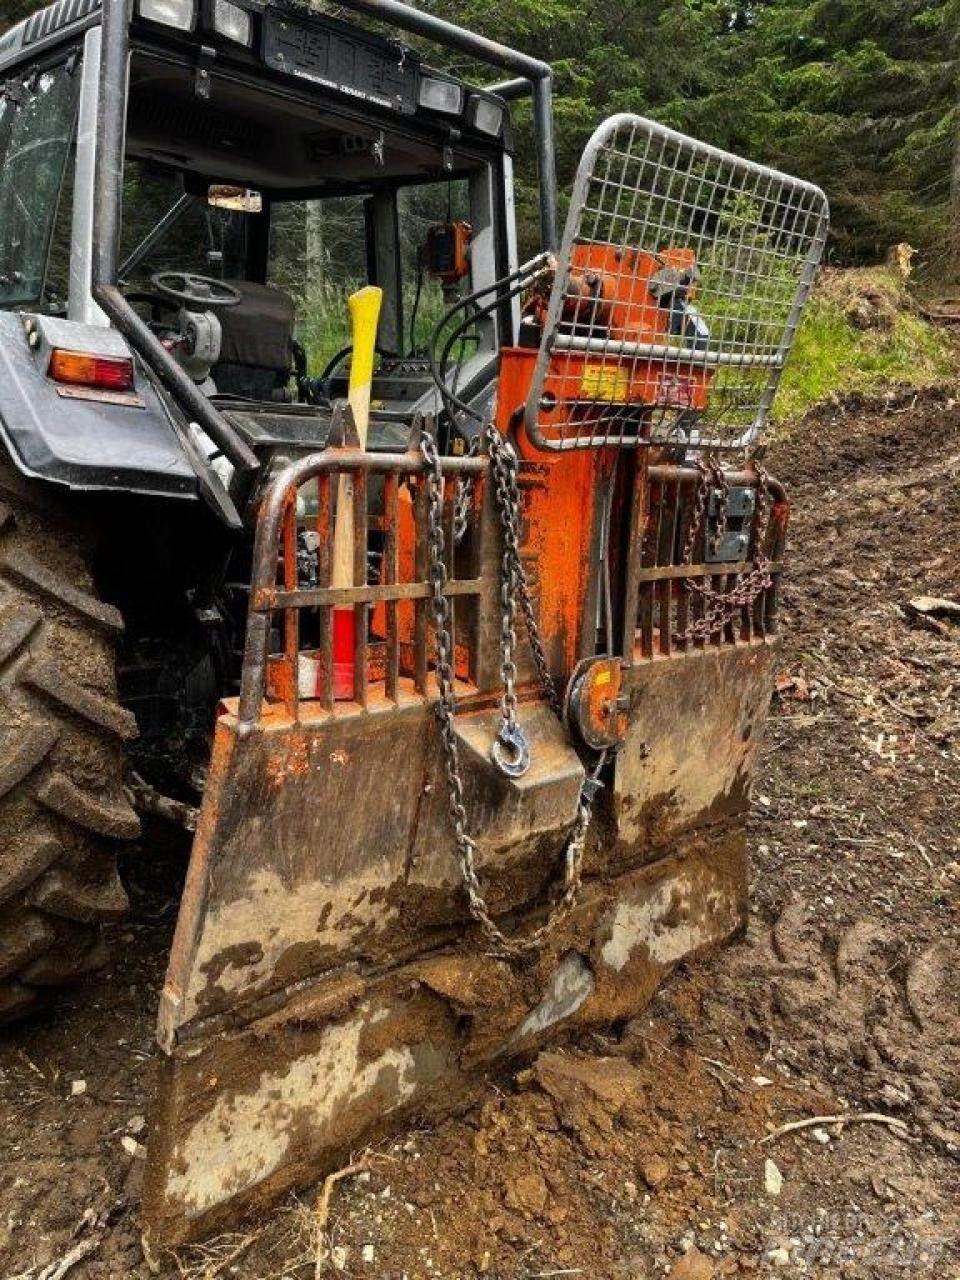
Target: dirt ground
[[656, 1150]]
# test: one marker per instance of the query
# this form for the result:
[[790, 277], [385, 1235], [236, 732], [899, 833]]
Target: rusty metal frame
[[658, 600], [275, 548]]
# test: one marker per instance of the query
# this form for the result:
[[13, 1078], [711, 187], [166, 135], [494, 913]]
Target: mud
[[636, 1151], [241, 1115]]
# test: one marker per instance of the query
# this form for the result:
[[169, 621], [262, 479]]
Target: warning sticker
[[605, 382]]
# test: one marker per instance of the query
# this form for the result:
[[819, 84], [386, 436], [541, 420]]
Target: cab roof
[[345, 44], [46, 26]]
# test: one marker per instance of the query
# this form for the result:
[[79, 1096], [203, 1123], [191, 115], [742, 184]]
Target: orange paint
[[558, 493]]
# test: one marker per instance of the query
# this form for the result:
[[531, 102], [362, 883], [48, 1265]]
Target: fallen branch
[[57, 1270], [147, 799], [322, 1211], [853, 1117]]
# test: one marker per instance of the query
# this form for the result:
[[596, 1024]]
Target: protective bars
[[680, 284], [667, 610], [278, 669]]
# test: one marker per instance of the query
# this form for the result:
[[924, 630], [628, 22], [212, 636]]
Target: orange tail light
[[80, 369]]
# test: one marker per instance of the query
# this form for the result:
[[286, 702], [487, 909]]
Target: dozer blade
[[326, 981], [323, 987]]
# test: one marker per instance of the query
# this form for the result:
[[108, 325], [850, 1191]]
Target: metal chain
[[510, 737], [446, 713], [507, 492], [463, 497], [723, 497], [722, 606]]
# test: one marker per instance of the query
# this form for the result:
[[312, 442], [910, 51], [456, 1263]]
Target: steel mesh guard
[[679, 287]]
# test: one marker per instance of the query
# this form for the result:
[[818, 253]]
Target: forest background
[[861, 96]]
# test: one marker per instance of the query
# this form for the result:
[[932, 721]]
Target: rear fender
[[58, 434]]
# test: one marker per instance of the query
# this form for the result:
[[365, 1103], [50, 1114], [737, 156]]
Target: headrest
[[258, 331]]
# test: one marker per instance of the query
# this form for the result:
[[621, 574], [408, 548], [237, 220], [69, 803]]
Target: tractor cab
[[263, 189], [273, 162]]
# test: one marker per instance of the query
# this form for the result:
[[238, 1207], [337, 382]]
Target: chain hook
[[510, 734], [511, 751]]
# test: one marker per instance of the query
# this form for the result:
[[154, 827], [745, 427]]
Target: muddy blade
[[324, 986]]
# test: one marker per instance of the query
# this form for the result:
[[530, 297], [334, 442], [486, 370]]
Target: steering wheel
[[200, 291]]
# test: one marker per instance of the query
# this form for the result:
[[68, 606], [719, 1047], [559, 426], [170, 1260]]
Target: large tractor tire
[[63, 809]]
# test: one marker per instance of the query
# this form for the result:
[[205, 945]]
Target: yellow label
[[605, 382], [603, 677]]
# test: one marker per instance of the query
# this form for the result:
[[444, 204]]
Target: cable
[[452, 403], [438, 369], [506, 288], [416, 305], [533, 268], [473, 337]]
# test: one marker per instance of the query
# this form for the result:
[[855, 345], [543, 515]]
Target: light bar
[[441, 95], [486, 116], [232, 22], [179, 14], [80, 369]]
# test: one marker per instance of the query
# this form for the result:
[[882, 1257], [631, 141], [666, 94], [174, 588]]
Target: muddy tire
[[63, 809]]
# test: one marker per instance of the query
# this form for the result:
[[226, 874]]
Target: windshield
[[166, 230], [320, 254]]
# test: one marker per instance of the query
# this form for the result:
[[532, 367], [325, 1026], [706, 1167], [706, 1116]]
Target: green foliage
[[858, 95], [831, 356]]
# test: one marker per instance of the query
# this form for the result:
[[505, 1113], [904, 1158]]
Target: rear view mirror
[[236, 199]]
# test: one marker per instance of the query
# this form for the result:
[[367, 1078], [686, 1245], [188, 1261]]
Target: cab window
[[204, 240], [318, 255], [425, 297], [37, 123]]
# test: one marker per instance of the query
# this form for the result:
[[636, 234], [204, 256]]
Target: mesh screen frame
[[627, 363]]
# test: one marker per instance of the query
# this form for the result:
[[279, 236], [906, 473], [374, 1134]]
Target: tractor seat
[[257, 352]]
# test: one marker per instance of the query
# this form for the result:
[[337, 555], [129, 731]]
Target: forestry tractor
[[432, 588]]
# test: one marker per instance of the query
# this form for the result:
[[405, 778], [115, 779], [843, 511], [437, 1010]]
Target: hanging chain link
[[503, 459], [510, 753], [512, 576], [720, 607], [463, 497]]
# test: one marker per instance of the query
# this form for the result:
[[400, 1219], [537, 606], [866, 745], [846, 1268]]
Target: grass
[[834, 357], [324, 325]]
